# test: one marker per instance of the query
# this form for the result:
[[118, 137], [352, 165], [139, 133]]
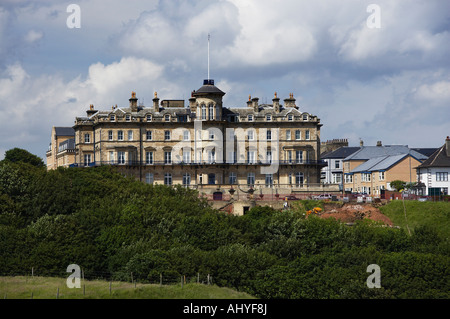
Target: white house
[[433, 174]]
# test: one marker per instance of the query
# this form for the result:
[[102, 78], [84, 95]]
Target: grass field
[[22, 287], [433, 214]]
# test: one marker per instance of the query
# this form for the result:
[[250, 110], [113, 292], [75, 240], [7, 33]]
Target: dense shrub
[[113, 226]]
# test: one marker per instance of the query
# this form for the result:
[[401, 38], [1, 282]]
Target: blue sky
[[390, 83]]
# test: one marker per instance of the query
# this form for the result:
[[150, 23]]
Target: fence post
[[110, 287], [208, 279], [198, 277], [57, 293], [160, 279], [181, 281]]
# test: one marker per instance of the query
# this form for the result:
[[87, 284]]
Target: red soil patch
[[350, 213]]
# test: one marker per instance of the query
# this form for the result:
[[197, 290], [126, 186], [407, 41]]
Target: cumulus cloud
[[362, 82], [30, 106]]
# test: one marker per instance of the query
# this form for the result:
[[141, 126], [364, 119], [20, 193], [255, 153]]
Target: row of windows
[[186, 135], [167, 118], [211, 157], [184, 118], [365, 177], [298, 178]]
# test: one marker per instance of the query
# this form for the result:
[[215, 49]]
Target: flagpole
[[208, 55]]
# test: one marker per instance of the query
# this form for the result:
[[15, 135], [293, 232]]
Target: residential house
[[371, 169], [433, 173]]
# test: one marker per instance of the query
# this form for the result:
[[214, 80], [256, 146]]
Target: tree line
[[114, 225]]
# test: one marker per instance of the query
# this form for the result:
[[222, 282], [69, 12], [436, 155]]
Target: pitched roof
[[64, 131], [341, 152], [379, 163], [426, 151], [437, 159], [368, 152]]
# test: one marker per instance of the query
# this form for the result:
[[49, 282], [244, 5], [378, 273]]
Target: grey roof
[[426, 151], [437, 159], [379, 163], [368, 152], [209, 89], [341, 152], [382, 157], [64, 131]]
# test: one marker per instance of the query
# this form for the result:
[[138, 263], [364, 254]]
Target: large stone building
[[204, 143]]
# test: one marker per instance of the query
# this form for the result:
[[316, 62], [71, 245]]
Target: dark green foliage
[[17, 155], [114, 226]]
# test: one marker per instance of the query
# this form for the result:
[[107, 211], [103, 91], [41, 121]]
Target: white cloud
[[30, 106], [33, 36]]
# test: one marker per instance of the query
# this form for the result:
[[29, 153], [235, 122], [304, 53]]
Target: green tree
[[20, 155], [398, 185]]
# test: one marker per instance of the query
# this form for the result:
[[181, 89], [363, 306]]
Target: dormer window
[[167, 118], [305, 117], [112, 118], [128, 117], [268, 117], [290, 117], [149, 117], [250, 118]]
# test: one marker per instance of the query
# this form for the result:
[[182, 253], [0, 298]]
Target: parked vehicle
[[323, 197], [291, 197]]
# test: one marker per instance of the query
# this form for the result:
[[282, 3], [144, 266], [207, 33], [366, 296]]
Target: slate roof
[[64, 131], [208, 89], [439, 158], [379, 158], [380, 163], [341, 152], [426, 151], [368, 152]]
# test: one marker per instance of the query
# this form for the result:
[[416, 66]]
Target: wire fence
[[92, 284]]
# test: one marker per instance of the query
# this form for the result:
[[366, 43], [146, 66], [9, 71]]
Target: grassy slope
[[434, 214], [46, 288]]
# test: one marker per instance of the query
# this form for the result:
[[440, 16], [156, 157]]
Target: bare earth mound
[[350, 213]]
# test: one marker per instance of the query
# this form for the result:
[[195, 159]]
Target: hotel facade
[[204, 144]]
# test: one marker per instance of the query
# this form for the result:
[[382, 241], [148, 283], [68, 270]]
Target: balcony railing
[[162, 163]]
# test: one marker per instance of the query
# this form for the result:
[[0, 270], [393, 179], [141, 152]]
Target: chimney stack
[[361, 143], [255, 104], [290, 102], [91, 110], [379, 143], [447, 146], [192, 102], [249, 102], [156, 103], [276, 103], [133, 102]]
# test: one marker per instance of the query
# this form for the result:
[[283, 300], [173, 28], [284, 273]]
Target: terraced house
[[204, 143], [371, 169]]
